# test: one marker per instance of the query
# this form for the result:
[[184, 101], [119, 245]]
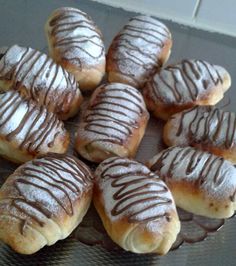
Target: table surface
[[22, 22]]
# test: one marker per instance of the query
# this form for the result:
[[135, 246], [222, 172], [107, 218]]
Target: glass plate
[[22, 22]]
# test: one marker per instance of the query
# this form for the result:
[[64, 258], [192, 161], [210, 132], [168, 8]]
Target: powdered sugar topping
[[130, 190], [76, 37], [188, 81], [205, 171]]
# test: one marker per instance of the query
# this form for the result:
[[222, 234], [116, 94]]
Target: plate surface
[[22, 22]]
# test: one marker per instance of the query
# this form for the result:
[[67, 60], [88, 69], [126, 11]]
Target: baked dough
[[136, 207], [142, 46], [204, 127], [43, 201], [27, 130], [184, 85], [113, 124], [37, 77], [76, 43], [200, 182]]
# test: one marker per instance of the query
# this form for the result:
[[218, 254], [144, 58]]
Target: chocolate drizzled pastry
[[75, 42], [205, 127], [36, 76], [184, 85], [113, 123], [43, 201], [141, 47], [27, 130], [200, 182], [135, 205]]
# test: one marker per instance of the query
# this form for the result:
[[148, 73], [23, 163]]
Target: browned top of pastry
[[113, 113], [203, 170], [206, 125], [130, 190], [137, 47], [33, 128], [187, 81], [77, 38], [45, 188], [46, 82]]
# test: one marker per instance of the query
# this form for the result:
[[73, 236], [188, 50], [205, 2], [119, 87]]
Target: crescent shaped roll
[[185, 85], [136, 207], [76, 43], [43, 201], [38, 77], [113, 123], [142, 46], [204, 127], [27, 130], [200, 182]]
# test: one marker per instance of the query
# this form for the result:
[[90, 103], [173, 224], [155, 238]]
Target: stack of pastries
[[46, 198]]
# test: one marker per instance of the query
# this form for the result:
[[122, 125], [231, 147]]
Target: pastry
[[200, 182], [113, 124], [184, 85], [27, 130], [204, 127], [75, 42], [142, 46], [136, 207], [43, 201], [36, 76]]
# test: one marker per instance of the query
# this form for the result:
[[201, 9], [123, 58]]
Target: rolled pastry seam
[[207, 128], [113, 123], [200, 182], [43, 201], [185, 85], [142, 46], [76, 43], [27, 130], [136, 207], [36, 76]]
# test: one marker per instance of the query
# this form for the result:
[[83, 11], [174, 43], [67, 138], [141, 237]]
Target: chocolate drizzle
[[188, 81], [37, 77], [113, 114], [136, 49], [200, 169], [43, 188], [76, 37], [131, 190], [30, 126], [206, 125]]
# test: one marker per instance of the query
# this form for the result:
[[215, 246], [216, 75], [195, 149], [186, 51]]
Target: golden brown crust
[[200, 182], [36, 76], [184, 128], [113, 124], [185, 85], [139, 216], [28, 130], [43, 201], [85, 60], [135, 52]]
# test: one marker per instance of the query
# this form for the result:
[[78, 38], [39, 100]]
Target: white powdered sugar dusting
[[137, 48], [209, 173], [31, 127], [45, 82], [45, 188], [130, 190], [187, 81], [112, 115], [206, 125], [76, 37]]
